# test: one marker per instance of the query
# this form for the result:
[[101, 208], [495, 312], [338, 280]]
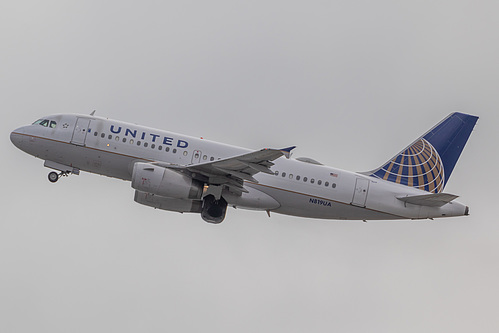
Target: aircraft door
[[196, 156], [80, 131], [360, 192]]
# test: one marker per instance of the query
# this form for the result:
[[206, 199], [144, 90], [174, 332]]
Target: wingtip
[[287, 151]]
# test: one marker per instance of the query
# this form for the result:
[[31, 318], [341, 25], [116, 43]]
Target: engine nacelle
[[164, 182], [171, 204], [213, 210]]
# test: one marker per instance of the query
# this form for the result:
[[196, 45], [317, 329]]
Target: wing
[[232, 171]]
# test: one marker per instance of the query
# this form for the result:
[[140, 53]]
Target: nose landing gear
[[54, 176]]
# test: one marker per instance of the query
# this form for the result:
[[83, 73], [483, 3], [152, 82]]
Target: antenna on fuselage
[[93, 112]]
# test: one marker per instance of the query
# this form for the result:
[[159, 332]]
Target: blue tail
[[428, 162]]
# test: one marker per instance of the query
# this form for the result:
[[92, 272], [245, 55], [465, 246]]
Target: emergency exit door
[[196, 157], [360, 192]]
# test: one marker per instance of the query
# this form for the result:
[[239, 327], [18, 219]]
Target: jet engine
[[150, 178], [171, 204], [213, 210], [167, 189]]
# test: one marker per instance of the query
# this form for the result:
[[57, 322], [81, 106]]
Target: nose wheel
[[54, 176]]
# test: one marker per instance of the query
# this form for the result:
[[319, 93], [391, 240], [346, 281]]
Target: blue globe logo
[[418, 166]]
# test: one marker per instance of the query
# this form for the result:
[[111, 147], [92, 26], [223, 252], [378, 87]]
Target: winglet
[[287, 151]]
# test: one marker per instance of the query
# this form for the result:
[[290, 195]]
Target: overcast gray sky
[[349, 82]]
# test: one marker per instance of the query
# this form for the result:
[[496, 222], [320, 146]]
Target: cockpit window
[[45, 123]]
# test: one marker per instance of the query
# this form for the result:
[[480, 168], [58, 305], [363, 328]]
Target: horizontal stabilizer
[[431, 200]]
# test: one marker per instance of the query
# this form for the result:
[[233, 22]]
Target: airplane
[[186, 174]]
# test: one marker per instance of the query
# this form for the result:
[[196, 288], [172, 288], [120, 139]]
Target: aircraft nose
[[17, 137]]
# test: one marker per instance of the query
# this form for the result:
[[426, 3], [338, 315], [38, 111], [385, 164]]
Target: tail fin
[[428, 162]]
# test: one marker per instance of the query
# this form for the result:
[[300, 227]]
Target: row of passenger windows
[[153, 146], [305, 179], [205, 158]]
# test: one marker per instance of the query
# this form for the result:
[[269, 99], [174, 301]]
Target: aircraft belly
[[86, 159], [254, 199], [305, 205], [104, 163], [337, 212]]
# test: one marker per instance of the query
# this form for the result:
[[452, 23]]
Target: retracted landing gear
[[54, 176]]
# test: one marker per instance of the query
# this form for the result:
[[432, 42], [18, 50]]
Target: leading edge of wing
[[237, 168]]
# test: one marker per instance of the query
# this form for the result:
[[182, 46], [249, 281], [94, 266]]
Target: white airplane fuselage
[[298, 188]]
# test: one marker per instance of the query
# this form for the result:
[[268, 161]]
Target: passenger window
[[205, 158], [319, 182], [290, 176], [304, 179], [276, 173], [145, 144], [312, 180], [153, 146], [297, 177], [102, 135], [138, 143], [95, 133], [167, 149], [174, 151], [326, 184], [185, 152], [160, 147], [53, 124], [212, 158], [131, 141], [334, 185], [117, 138], [124, 140], [284, 174], [110, 137]]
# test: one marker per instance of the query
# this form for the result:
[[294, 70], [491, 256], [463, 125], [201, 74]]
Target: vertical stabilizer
[[428, 162]]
